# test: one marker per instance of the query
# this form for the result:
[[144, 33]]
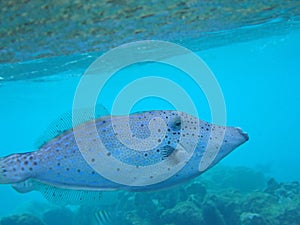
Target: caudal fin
[[12, 169]]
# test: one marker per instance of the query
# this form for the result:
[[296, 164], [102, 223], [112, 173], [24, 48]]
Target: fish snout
[[243, 134], [235, 136]]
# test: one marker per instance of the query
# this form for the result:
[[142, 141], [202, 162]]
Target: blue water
[[259, 79]]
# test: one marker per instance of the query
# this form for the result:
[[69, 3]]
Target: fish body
[[179, 139]]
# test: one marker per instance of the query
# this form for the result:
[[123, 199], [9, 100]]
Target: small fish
[[175, 146], [103, 217]]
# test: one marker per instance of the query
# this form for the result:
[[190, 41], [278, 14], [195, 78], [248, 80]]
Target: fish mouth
[[244, 134]]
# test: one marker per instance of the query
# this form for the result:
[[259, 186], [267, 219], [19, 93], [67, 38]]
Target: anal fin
[[62, 196]]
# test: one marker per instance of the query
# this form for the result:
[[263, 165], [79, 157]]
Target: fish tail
[[12, 168]]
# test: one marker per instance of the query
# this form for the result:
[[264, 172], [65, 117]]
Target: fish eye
[[176, 123]]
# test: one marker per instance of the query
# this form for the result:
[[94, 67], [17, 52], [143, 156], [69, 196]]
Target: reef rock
[[212, 216], [58, 216], [181, 213], [290, 217], [252, 219], [197, 190], [23, 219]]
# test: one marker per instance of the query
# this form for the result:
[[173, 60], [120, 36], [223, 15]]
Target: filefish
[[143, 151]]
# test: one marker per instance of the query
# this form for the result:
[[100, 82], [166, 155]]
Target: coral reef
[[213, 199], [219, 199], [23, 219], [58, 216], [181, 213], [252, 219]]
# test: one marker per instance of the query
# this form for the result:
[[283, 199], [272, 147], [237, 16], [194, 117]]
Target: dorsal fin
[[64, 122]]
